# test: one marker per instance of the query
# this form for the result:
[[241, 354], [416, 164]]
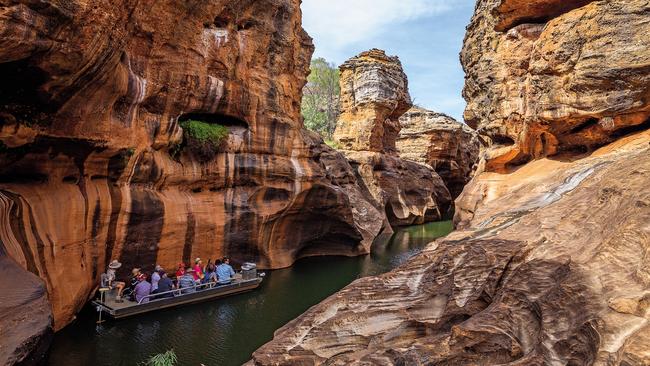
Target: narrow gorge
[[102, 106]]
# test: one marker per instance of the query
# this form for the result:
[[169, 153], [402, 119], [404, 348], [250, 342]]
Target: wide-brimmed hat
[[114, 264], [135, 270], [197, 260]]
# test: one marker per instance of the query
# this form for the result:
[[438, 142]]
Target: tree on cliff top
[[320, 101]]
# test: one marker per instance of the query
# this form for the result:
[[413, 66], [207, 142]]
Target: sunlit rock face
[[91, 98], [552, 268], [451, 148], [374, 95], [546, 77]]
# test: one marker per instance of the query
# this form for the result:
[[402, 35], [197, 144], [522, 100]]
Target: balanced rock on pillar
[[374, 95]]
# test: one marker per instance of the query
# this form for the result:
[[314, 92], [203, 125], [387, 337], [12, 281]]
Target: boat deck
[[126, 308]]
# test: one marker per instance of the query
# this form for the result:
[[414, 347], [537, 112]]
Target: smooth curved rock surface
[[552, 268], [564, 77], [450, 147], [90, 166]]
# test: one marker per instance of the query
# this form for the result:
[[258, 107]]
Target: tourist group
[[187, 278]]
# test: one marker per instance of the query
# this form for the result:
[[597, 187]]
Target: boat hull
[[126, 309]]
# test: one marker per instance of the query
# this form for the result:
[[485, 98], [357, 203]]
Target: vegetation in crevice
[[203, 140]]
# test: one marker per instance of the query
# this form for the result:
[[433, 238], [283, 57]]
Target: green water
[[227, 331]]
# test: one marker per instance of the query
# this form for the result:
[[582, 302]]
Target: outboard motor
[[248, 271]]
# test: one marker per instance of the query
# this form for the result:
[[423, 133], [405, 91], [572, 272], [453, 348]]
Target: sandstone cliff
[[547, 77], [374, 95], [451, 148], [551, 265], [94, 164]]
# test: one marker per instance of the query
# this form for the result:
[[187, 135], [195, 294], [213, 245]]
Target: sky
[[427, 35]]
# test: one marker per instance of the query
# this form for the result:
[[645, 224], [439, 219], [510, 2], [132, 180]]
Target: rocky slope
[[451, 148], [94, 165], [374, 95], [550, 265]]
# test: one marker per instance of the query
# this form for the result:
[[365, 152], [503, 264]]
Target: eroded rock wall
[[374, 95], [548, 77], [90, 168], [451, 148]]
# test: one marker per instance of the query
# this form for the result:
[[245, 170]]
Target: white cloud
[[336, 24]]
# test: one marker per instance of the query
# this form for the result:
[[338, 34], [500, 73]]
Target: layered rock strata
[[553, 268], [547, 77], [451, 148], [374, 95], [93, 163]]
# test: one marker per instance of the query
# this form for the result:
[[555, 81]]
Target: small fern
[[163, 359]]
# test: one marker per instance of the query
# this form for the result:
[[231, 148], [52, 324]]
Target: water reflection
[[227, 331]]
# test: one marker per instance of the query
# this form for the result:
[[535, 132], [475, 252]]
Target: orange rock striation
[[94, 164]]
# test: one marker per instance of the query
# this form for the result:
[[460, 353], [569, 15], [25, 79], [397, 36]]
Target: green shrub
[[163, 359], [203, 139], [333, 144]]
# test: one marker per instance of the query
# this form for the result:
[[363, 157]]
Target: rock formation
[[451, 148], [551, 262], [374, 95], [547, 77], [93, 163]]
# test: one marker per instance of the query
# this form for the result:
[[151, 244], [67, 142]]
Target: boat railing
[[179, 291]]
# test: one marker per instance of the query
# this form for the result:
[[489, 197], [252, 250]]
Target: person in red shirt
[[198, 270], [180, 271]]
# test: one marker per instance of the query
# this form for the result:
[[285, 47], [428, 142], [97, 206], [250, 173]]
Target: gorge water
[[227, 331]]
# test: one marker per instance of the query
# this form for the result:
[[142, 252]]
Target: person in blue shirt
[[225, 271]]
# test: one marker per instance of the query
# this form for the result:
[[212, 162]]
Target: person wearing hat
[[110, 279], [186, 282], [142, 289]]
